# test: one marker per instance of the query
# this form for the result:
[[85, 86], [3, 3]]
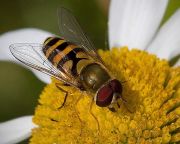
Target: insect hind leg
[[90, 110], [66, 94], [77, 112]]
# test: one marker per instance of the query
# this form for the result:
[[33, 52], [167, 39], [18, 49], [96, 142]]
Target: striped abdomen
[[63, 55]]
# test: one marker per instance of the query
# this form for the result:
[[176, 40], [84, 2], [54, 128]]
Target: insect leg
[[79, 98], [118, 105], [90, 110], [66, 93], [112, 109], [124, 101]]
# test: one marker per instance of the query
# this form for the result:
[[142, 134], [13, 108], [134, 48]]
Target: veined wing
[[31, 54], [72, 31]]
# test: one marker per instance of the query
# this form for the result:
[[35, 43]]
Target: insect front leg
[[112, 109], [59, 86]]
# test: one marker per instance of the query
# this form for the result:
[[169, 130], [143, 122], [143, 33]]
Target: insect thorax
[[93, 76]]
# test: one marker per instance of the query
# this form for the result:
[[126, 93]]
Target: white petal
[[28, 35], [43, 77], [133, 23], [167, 42], [16, 130]]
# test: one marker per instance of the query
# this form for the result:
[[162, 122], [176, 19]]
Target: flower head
[[151, 113]]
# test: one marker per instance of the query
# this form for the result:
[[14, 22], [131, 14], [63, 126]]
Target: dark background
[[19, 88]]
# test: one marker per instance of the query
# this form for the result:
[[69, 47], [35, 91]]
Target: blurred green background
[[19, 88]]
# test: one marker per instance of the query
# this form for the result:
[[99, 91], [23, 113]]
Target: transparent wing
[[71, 31], [31, 54]]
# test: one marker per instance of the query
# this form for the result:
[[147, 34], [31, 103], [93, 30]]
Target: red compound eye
[[104, 96], [116, 86]]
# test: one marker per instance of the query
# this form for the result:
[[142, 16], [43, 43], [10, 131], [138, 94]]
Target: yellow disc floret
[[151, 113]]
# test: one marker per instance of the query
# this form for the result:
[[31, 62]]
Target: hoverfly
[[73, 60]]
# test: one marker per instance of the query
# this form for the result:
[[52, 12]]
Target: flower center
[[151, 113]]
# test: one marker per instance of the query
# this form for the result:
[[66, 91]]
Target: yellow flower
[[150, 115]]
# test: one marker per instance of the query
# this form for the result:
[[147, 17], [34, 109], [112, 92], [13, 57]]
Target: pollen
[[149, 114]]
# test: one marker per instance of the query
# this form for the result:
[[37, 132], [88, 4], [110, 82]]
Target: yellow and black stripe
[[58, 52]]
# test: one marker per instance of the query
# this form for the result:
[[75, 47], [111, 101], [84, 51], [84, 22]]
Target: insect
[[73, 60]]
